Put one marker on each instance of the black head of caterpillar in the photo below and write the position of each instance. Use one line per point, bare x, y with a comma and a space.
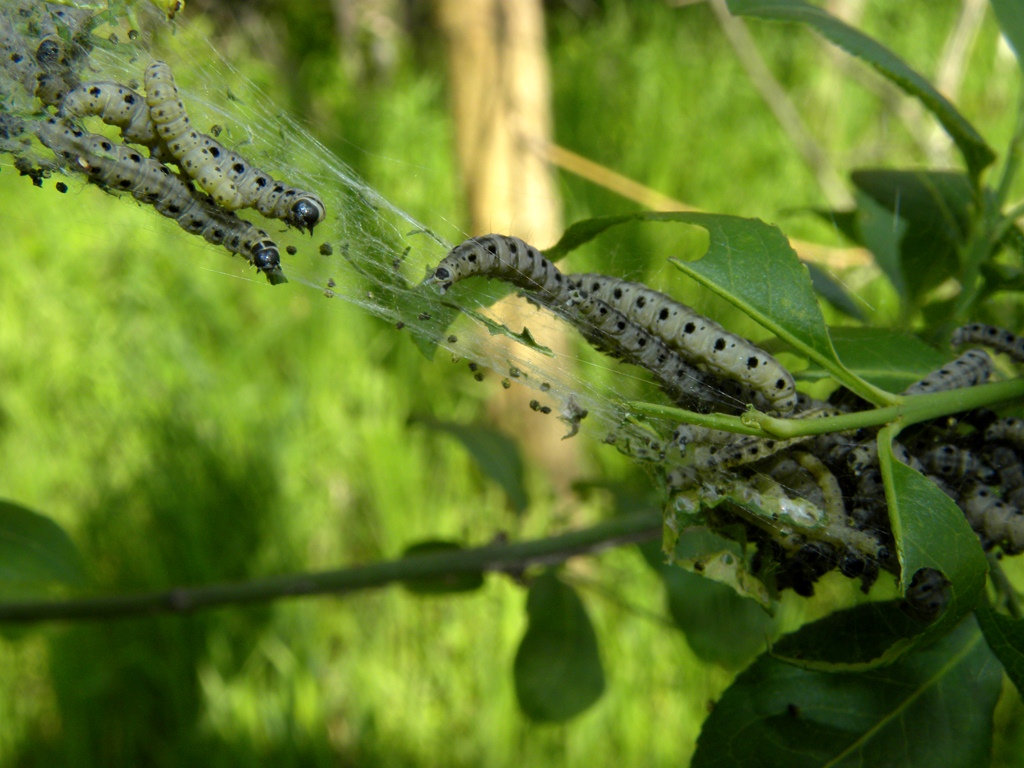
503, 258
698, 339
229, 179
118, 167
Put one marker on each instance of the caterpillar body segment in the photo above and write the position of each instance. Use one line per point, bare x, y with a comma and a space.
698, 339
118, 167
230, 180
505, 258
610, 331
997, 522
998, 339
972, 367
952, 463
119, 106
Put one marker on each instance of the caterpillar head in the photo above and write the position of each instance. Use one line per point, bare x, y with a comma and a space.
267, 259
306, 213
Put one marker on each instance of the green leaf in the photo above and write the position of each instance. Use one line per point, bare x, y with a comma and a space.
434, 585
1010, 15
936, 208
833, 292
881, 231
855, 639
752, 265
720, 626
495, 453
1005, 637
557, 670
35, 554
976, 152
775, 714
931, 532
888, 359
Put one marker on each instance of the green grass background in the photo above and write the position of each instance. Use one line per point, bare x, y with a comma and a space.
187, 427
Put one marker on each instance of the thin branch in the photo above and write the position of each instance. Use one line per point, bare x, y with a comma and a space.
497, 557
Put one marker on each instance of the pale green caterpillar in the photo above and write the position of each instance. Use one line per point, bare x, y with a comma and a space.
228, 177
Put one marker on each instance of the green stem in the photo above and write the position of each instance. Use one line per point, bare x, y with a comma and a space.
911, 410
1013, 154
490, 558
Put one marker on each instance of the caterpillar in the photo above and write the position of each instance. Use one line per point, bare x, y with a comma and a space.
927, 595
229, 179
504, 258
610, 331
996, 338
747, 449
695, 337
1007, 463
119, 106
513, 261
952, 463
118, 167
996, 522
972, 367
1009, 430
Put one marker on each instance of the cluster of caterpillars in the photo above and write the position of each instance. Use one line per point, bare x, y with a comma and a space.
824, 495
211, 181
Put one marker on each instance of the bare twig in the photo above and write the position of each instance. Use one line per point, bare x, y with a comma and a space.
496, 557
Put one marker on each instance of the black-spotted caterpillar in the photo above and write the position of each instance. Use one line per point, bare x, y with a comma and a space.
229, 179
996, 338
696, 338
118, 167
614, 330
116, 105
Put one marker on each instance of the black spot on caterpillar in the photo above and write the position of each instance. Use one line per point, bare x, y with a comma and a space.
504, 258
972, 367
120, 168
927, 596
229, 178
996, 338
698, 339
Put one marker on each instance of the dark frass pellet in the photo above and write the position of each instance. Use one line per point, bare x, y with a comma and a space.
326, 249
62, 187
453, 339
291, 250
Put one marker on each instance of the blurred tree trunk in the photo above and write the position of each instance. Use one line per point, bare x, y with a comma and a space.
501, 99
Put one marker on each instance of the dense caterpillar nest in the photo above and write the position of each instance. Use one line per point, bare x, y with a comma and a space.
810, 504
207, 182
